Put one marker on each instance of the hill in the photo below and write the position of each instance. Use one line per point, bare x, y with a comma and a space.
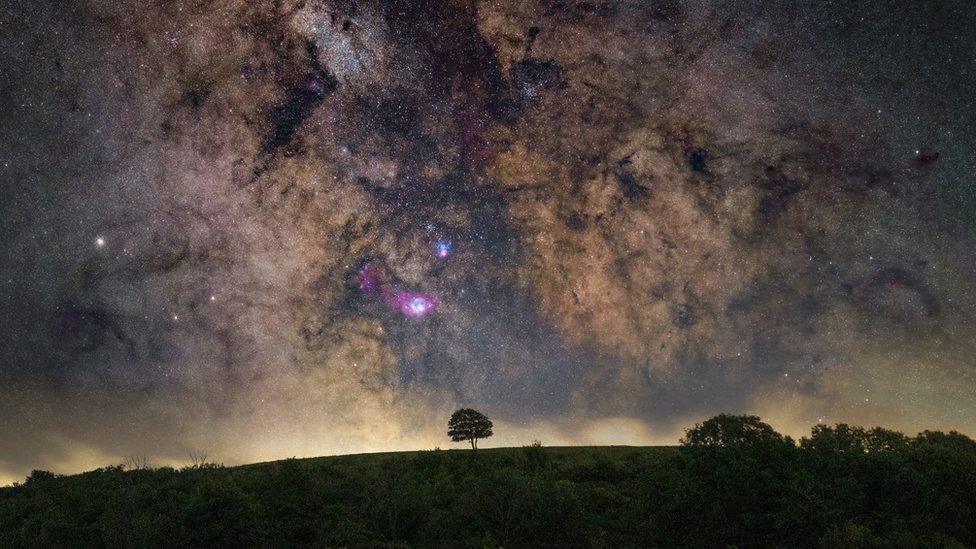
840, 487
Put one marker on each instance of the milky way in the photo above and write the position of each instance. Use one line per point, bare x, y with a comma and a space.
266, 229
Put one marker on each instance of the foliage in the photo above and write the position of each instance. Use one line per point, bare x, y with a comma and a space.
734, 482
470, 425
730, 431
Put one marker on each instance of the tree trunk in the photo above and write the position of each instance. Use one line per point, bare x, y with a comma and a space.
472, 444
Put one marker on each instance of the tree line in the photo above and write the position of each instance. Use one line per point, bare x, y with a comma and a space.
733, 482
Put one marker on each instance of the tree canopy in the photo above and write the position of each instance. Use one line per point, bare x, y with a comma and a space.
726, 430
470, 425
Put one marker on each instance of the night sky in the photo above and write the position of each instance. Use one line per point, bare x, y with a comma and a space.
264, 229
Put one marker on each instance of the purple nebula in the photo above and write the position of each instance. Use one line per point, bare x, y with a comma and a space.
443, 249
369, 279
412, 304
415, 305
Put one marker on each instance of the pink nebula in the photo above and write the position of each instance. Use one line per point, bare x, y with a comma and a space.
412, 304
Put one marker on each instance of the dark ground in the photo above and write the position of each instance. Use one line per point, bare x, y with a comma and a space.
727, 486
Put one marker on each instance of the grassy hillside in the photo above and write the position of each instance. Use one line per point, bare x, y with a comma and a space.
492, 496
841, 487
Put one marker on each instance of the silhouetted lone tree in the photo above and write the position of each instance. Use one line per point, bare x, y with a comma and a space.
468, 424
